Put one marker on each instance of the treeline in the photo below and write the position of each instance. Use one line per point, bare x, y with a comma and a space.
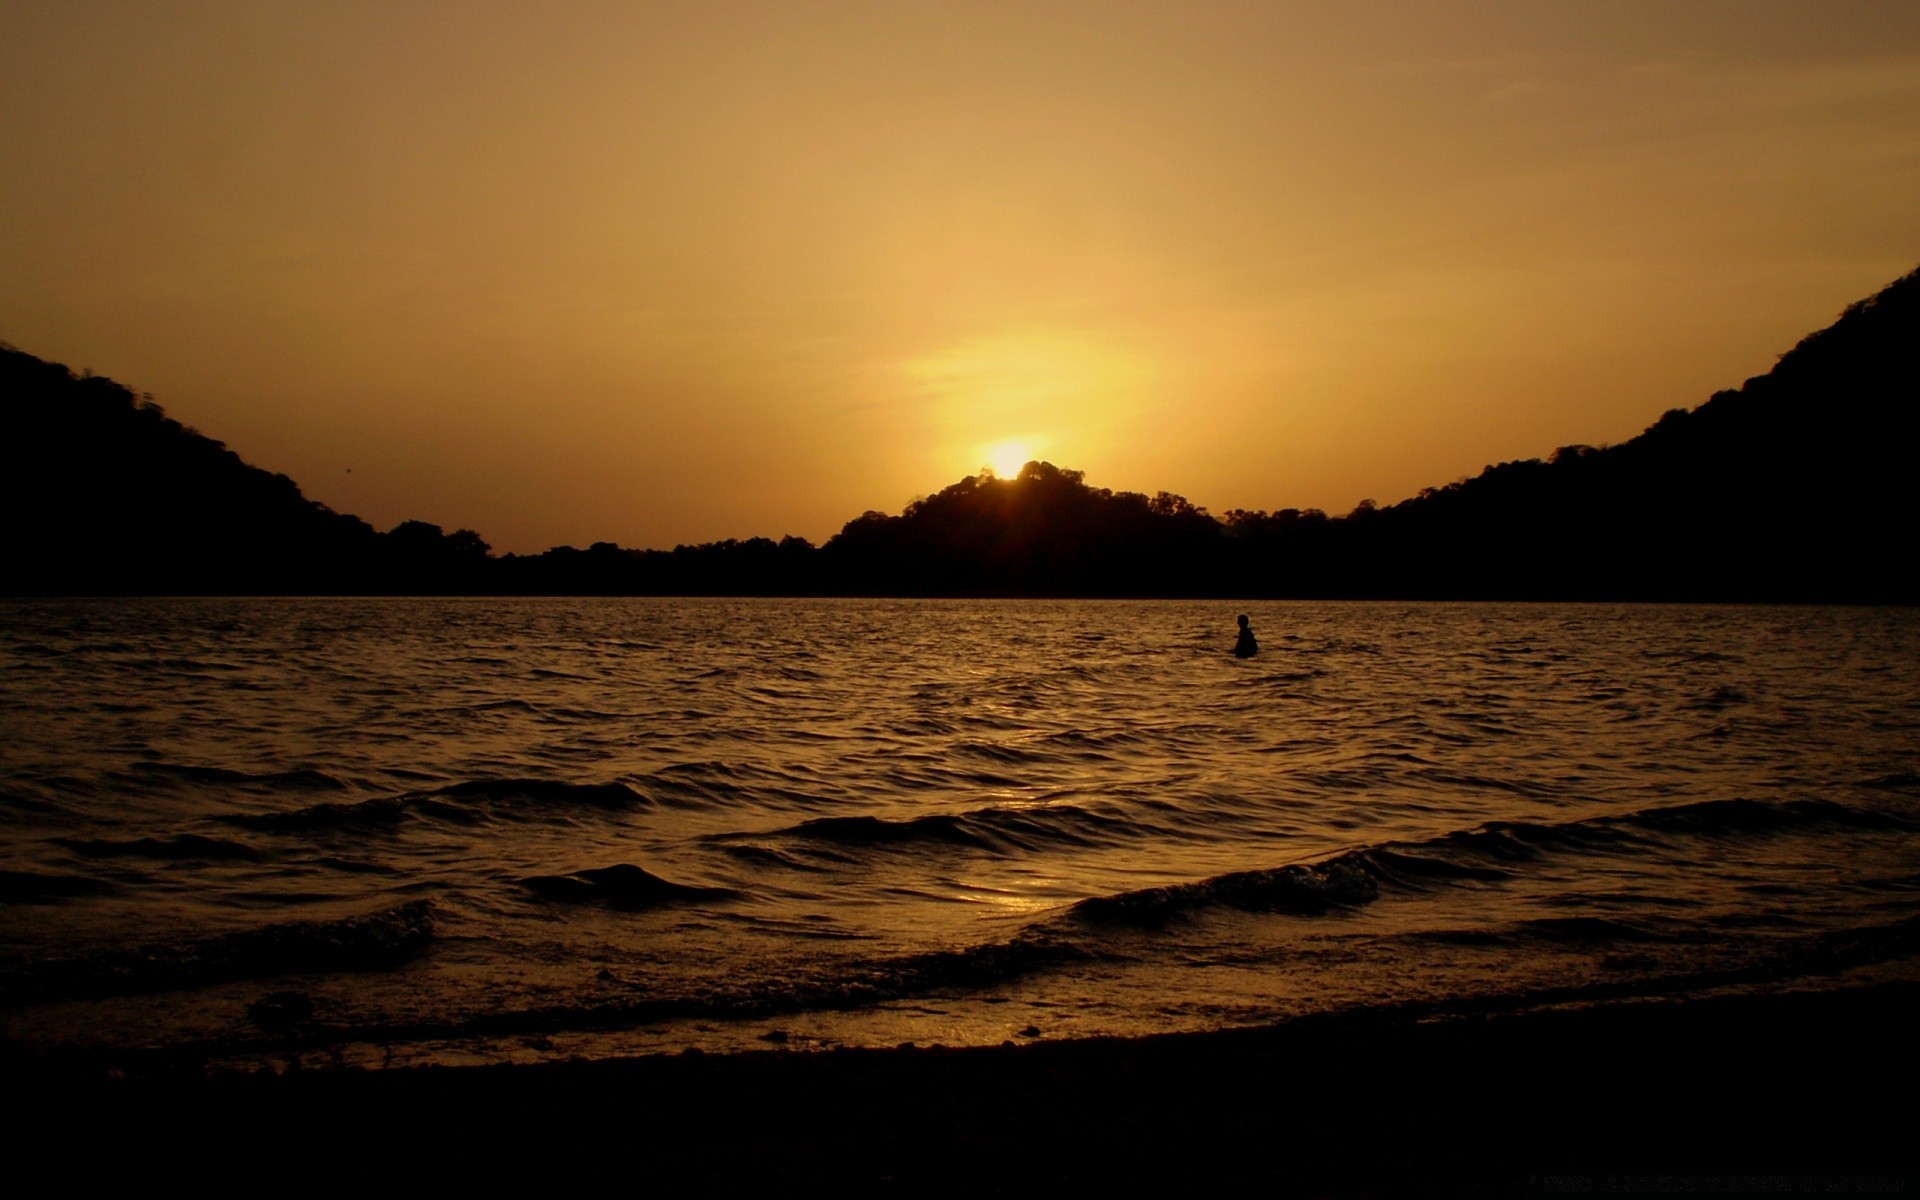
1797, 487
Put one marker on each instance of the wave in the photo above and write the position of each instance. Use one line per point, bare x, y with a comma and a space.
186, 847
363, 942
382, 812
37, 887
1346, 881
866, 983
1050, 945
1080, 739
1279, 679
875, 831
622, 886
854, 985
1491, 852
1717, 700
764, 857
1079, 933
996, 752
1498, 849
1335, 884
520, 794
710, 784
506, 704
1896, 781
997, 829
1796, 957
1760, 816
1495, 851
1599, 931
196, 666
460, 803
22, 803
299, 779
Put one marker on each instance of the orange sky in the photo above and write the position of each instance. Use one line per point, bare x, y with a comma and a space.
659, 273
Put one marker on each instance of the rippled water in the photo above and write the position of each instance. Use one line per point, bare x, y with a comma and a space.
411, 830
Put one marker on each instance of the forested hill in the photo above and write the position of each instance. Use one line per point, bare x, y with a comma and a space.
1797, 486
1794, 487
101, 491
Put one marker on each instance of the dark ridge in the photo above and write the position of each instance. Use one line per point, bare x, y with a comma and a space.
510, 793
1898, 781
367, 942
986, 965
1739, 815
187, 846
383, 812
35, 887
1050, 945
1306, 890
18, 802
104, 493
874, 831
996, 829
765, 858
1599, 931
621, 886
459, 803
860, 984
1792, 487
1411, 870
1490, 851
302, 779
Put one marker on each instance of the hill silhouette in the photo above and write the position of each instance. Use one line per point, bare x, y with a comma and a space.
104, 493
1042, 533
1794, 487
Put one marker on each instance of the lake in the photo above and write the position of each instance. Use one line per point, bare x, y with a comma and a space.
396, 831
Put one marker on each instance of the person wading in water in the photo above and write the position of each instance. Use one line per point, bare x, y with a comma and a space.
1246, 647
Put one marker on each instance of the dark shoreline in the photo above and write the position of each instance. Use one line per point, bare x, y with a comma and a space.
1781, 1087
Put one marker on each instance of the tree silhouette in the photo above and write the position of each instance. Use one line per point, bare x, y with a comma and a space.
1796, 486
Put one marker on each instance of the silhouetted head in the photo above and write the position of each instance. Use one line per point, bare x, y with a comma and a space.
1243, 620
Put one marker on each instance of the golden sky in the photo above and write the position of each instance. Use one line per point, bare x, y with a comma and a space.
656, 273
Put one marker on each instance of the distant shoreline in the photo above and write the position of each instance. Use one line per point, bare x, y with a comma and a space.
721, 597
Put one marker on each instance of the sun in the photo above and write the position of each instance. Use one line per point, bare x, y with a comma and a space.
1006, 458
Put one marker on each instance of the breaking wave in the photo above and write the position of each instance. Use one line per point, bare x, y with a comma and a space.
364, 942
460, 803
1001, 829
622, 885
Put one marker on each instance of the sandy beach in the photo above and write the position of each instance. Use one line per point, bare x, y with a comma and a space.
1727, 1095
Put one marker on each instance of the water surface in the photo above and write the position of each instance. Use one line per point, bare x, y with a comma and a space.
456, 830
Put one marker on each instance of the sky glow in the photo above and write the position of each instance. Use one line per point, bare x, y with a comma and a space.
661, 273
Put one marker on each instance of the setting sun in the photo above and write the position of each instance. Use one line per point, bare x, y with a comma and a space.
1006, 458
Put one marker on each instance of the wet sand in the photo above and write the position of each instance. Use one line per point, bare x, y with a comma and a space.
1723, 1095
